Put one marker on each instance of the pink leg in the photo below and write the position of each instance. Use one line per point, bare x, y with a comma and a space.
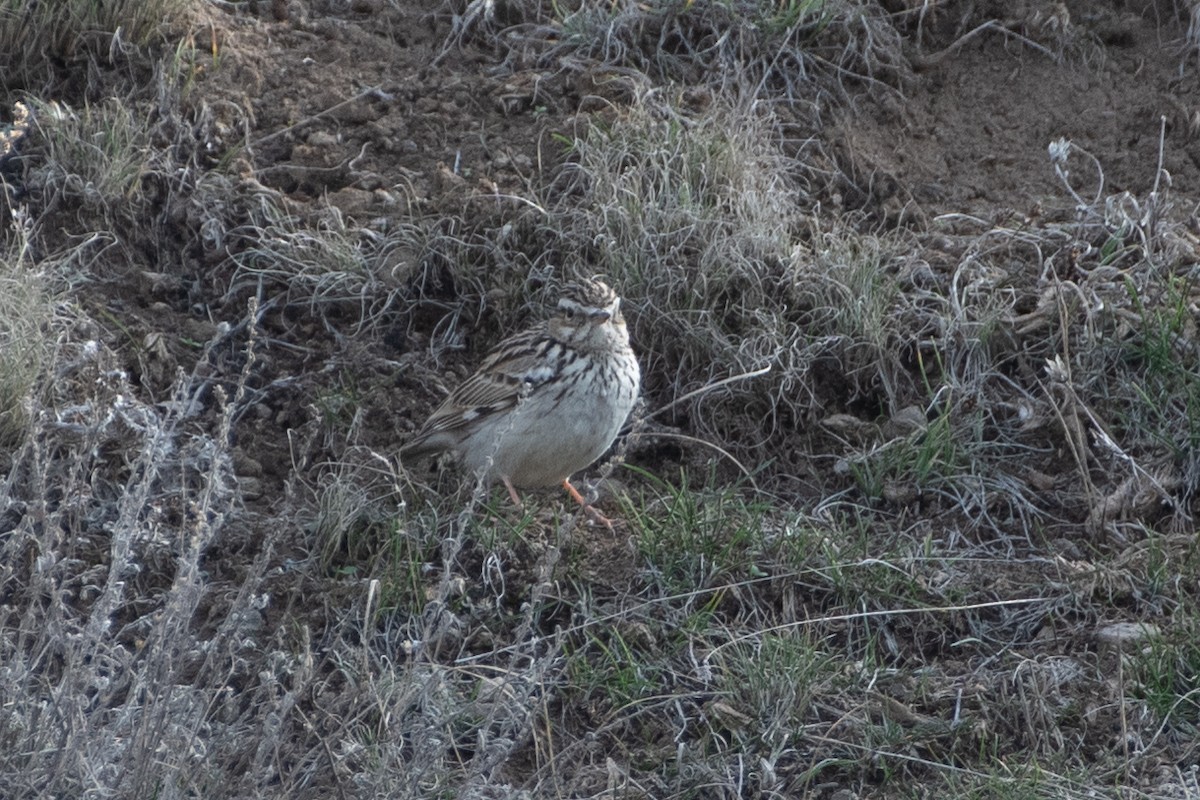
512, 492
592, 512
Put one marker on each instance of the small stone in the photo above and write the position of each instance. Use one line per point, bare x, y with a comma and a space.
352, 202
1123, 634
251, 488
245, 465
322, 139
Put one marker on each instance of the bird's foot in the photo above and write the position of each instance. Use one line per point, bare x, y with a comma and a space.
590, 510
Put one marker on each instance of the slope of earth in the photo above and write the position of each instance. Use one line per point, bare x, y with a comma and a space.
386, 113
970, 133
382, 114
381, 195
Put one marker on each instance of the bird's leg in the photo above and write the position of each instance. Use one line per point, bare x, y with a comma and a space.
592, 512
512, 492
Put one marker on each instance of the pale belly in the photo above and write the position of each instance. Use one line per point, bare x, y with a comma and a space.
546, 440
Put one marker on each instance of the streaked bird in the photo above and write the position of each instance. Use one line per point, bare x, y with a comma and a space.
546, 402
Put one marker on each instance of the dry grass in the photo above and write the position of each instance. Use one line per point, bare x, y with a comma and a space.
26, 334
694, 217
109, 503
973, 452
40, 38
799, 51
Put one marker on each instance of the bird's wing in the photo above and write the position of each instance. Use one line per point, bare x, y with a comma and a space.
516, 367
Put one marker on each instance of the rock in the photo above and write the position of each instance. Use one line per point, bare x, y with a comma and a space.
1126, 634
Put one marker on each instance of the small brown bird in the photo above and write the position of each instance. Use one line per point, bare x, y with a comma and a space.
546, 402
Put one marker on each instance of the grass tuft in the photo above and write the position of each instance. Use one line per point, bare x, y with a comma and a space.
966, 452
784, 49
698, 218
39, 38
27, 333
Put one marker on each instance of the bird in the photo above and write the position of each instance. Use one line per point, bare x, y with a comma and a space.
545, 402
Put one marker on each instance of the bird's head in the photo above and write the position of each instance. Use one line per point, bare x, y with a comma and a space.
588, 313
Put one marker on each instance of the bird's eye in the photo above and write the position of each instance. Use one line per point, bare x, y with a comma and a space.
569, 313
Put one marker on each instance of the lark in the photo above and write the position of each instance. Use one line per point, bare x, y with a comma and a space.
546, 402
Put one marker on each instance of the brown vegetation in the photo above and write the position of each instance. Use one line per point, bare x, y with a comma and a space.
908, 509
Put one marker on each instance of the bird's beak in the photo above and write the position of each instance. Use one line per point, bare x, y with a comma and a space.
604, 315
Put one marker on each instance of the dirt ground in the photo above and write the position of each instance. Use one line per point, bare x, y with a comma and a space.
376, 111
381, 110
352, 108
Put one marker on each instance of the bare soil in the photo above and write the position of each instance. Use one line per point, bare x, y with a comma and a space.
379, 111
